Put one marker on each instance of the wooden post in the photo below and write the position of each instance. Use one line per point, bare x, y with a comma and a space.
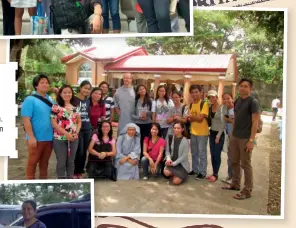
156, 83
186, 93
221, 88
233, 90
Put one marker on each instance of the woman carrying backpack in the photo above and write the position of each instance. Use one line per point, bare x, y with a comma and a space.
216, 138
76, 17
178, 113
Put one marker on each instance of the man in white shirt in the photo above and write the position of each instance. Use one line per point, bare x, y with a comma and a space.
275, 107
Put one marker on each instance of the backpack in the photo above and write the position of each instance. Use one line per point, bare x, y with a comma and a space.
67, 14
209, 118
260, 122
187, 125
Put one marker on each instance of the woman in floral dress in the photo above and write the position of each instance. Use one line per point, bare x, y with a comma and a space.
66, 121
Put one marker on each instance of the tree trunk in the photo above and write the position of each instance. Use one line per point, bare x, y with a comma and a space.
15, 55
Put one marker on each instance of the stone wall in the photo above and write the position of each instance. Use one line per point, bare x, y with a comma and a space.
265, 93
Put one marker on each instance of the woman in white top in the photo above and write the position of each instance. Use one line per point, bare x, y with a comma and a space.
163, 106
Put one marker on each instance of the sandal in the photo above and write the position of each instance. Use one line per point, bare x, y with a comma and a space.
244, 194
230, 187
209, 177
212, 179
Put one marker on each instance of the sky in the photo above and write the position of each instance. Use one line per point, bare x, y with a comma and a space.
106, 41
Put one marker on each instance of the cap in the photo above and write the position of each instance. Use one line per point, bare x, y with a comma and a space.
212, 93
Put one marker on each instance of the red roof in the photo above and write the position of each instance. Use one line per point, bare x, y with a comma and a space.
213, 63
107, 54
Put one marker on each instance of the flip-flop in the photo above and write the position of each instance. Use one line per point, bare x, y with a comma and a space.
212, 179
242, 195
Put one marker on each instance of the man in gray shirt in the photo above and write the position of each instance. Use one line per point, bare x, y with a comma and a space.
124, 101
242, 139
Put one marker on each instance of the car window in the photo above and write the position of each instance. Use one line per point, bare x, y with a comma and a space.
84, 219
8, 216
54, 219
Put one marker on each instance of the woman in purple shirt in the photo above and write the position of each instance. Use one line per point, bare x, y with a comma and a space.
29, 214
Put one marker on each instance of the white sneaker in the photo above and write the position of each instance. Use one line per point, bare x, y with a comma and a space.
145, 178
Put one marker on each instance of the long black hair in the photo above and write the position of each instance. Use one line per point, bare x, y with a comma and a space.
100, 102
100, 131
182, 125
166, 97
157, 125
61, 101
147, 101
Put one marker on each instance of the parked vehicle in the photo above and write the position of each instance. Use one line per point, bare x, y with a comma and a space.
68, 215
9, 213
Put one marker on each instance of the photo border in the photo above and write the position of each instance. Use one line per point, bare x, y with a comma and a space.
91, 181
232, 216
283, 167
191, 33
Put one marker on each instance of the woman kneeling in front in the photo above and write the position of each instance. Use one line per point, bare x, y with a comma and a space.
128, 152
177, 164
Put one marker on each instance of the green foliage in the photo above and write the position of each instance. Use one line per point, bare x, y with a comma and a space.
256, 37
18, 193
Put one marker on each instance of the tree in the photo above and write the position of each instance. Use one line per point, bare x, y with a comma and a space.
256, 37
17, 46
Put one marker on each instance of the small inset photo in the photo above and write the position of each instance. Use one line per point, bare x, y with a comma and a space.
52, 204
40, 18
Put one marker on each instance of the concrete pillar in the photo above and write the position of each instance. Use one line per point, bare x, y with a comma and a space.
233, 90
221, 87
186, 93
156, 83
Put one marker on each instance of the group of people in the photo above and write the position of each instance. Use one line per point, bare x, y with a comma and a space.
152, 134
92, 16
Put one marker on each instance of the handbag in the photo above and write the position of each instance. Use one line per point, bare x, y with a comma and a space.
39, 23
23, 3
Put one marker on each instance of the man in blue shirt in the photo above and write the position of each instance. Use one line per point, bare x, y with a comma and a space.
39, 132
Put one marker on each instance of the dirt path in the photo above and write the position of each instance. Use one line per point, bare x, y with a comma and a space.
193, 197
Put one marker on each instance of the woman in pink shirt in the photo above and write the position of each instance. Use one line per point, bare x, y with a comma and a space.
153, 149
97, 111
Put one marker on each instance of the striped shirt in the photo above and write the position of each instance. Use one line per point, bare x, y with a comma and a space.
109, 104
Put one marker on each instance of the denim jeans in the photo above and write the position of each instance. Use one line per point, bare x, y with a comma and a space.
157, 15
199, 154
216, 150
146, 165
113, 7
175, 23
184, 10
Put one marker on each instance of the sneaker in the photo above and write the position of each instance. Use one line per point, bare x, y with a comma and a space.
191, 173
145, 178
200, 176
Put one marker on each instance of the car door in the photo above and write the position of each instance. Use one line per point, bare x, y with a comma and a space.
83, 216
57, 218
